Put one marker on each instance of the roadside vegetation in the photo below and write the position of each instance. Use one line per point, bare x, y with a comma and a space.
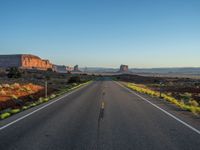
28, 90
26, 105
192, 105
183, 92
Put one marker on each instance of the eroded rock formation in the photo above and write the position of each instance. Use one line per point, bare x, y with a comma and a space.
31, 61
24, 61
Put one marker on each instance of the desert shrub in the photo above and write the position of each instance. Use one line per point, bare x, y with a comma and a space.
46, 99
41, 99
74, 84
27, 106
5, 115
193, 103
30, 91
14, 96
22, 89
48, 77
27, 88
31, 97
2, 92
37, 102
19, 102
58, 94
24, 107
5, 85
16, 85
33, 105
14, 111
74, 79
50, 70
186, 96
14, 73
12, 87
169, 94
194, 110
52, 96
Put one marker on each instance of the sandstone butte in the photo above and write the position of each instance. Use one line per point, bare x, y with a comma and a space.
24, 61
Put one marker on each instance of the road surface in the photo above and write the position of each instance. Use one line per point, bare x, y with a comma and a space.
99, 116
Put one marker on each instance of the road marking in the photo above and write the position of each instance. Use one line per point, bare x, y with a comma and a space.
48, 104
169, 114
102, 105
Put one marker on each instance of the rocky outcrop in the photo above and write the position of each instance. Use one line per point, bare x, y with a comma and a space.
35, 62
24, 61
123, 68
76, 68
60, 68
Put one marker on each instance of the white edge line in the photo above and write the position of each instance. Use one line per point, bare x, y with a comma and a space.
54, 101
169, 114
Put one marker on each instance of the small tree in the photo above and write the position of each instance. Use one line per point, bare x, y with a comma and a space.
50, 70
74, 79
14, 73
47, 77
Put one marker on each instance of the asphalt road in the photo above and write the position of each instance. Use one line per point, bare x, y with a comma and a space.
100, 116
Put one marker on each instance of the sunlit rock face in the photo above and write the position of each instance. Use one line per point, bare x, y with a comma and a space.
31, 61
24, 61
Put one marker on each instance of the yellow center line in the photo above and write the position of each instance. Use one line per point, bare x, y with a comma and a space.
102, 105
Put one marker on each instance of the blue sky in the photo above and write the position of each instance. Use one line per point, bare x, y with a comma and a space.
104, 33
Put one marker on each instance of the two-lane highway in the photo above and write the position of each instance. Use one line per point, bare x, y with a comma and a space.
100, 116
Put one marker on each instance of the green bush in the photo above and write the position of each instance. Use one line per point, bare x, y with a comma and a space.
37, 102
14, 73
25, 107
74, 79
46, 99
14, 97
52, 96
33, 105
5, 115
194, 103
14, 111
74, 84
58, 94
41, 99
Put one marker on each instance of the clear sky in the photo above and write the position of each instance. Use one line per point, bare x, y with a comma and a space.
103, 33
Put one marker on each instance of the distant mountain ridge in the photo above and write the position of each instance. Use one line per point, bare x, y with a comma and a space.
187, 70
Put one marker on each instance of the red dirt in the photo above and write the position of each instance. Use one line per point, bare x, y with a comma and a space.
17, 90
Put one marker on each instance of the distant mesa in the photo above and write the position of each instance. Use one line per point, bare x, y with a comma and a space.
65, 69
24, 61
60, 68
69, 68
123, 68
76, 69
28, 61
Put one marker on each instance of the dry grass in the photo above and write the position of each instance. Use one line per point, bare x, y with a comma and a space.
192, 106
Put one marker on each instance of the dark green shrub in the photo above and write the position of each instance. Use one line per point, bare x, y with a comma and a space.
14, 73
74, 79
